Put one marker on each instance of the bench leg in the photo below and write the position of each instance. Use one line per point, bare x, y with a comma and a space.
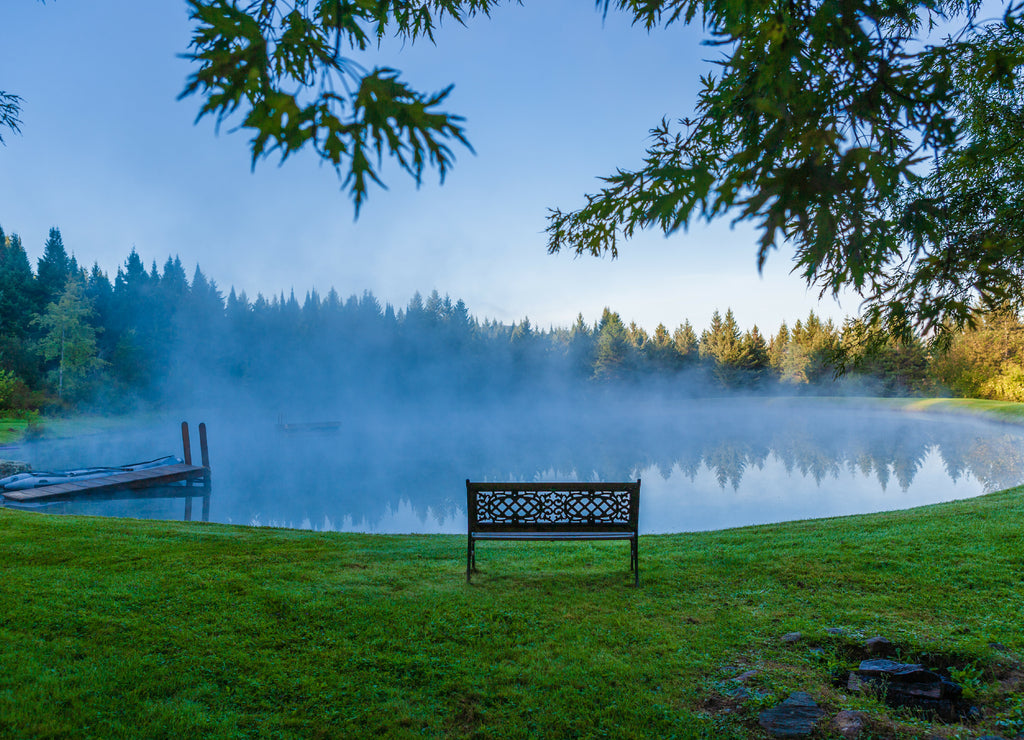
635, 560
469, 559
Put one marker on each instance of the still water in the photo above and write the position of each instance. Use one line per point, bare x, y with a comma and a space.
707, 464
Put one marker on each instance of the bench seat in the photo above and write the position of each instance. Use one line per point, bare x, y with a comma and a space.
552, 511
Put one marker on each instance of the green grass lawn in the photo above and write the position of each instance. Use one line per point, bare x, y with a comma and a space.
12, 430
122, 628
1002, 410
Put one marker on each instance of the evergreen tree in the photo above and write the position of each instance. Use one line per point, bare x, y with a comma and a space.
686, 343
52, 270
69, 339
17, 288
173, 283
637, 336
580, 349
812, 351
777, 348
754, 356
898, 363
522, 333
614, 358
721, 345
434, 308
661, 353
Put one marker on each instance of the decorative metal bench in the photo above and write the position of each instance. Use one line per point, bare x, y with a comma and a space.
553, 511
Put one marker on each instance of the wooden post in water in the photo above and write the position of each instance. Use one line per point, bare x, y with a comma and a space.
186, 448
186, 445
204, 451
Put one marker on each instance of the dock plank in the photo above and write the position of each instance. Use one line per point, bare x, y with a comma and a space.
132, 479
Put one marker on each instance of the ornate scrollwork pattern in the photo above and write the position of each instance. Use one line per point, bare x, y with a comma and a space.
553, 507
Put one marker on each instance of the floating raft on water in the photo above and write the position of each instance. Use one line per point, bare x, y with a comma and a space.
309, 426
166, 471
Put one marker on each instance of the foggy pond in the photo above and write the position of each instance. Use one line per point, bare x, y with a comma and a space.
706, 464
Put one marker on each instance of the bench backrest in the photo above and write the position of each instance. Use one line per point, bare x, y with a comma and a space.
553, 507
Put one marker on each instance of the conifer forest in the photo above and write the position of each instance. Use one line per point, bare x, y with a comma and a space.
73, 338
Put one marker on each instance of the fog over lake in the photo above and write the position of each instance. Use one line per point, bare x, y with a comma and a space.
705, 464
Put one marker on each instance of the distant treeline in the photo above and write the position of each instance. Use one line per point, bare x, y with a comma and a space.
70, 336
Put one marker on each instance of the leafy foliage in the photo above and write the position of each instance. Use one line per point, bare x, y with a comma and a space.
818, 127
886, 154
281, 65
10, 113
69, 339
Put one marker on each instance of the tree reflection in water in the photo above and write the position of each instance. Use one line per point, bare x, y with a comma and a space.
403, 469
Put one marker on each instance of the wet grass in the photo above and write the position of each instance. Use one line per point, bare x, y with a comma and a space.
1000, 410
123, 628
12, 430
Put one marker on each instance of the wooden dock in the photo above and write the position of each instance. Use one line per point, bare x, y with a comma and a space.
138, 481
131, 480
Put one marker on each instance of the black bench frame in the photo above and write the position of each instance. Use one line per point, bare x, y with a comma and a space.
553, 511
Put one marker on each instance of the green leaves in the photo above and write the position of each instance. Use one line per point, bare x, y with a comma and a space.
835, 127
281, 66
10, 113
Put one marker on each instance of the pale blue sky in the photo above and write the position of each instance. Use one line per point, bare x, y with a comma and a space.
553, 98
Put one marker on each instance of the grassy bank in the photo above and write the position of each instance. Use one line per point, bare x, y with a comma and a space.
120, 628
12, 430
999, 410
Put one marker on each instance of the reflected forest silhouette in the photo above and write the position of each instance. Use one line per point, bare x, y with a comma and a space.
374, 464
397, 407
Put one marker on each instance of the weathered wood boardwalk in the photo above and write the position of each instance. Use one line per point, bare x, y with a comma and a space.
131, 480
156, 481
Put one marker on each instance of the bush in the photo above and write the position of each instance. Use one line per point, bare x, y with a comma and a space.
16, 396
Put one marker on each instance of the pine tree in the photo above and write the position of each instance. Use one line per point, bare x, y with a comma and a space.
721, 345
52, 270
661, 353
685, 340
434, 308
18, 290
173, 283
522, 333
754, 357
614, 359
777, 348
812, 351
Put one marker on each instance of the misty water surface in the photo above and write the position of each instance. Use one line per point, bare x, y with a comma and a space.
705, 464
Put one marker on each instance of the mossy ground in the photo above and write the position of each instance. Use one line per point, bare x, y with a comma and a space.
123, 628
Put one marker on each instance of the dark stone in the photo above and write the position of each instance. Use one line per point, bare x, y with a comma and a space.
794, 717
12, 467
903, 672
739, 693
849, 723
791, 637
745, 676
878, 646
836, 631
998, 646
907, 685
